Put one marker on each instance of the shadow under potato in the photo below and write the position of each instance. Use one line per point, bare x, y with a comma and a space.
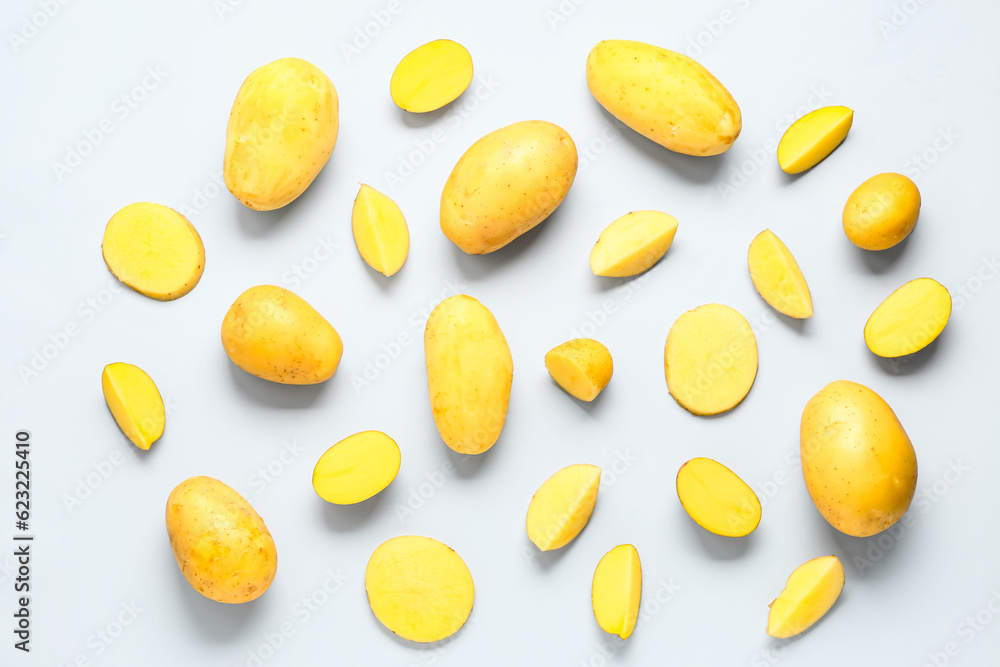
346, 518
215, 622
717, 546
274, 394
911, 363
257, 224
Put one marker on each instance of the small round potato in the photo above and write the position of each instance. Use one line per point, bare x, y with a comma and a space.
882, 211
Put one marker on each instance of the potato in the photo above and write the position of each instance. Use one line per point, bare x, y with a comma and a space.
419, 588
813, 137
135, 403
664, 96
582, 367
562, 506
431, 76
710, 359
857, 461
809, 593
910, 319
154, 250
274, 334
777, 277
882, 211
356, 468
469, 374
507, 183
717, 500
380, 231
617, 590
632, 244
281, 133
221, 544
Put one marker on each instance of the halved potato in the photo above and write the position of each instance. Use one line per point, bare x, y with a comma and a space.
380, 231
617, 590
777, 277
562, 506
356, 468
813, 137
809, 593
582, 367
910, 319
135, 403
717, 499
632, 244
431, 76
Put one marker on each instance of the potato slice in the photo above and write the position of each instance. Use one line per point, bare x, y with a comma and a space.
135, 403
710, 359
356, 468
717, 499
617, 590
154, 250
632, 244
582, 367
777, 277
380, 231
431, 76
809, 593
562, 506
910, 319
419, 588
813, 137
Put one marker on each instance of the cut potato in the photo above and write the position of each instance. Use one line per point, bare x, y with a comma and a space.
882, 211
910, 319
617, 590
777, 277
380, 231
809, 593
632, 244
717, 499
154, 250
431, 76
813, 137
562, 506
356, 468
582, 367
135, 403
710, 359
419, 588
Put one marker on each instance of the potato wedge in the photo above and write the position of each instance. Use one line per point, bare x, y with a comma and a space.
582, 367
813, 137
135, 403
910, 319
356, 468
717, 500
777, 277
562, 506
617, 590
632, 244
431, 76
810, 592
380, 231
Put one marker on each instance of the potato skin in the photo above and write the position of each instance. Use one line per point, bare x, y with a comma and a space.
220, 542
882, 211
507, 183
857, 461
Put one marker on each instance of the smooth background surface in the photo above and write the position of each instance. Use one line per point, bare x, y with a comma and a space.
910, 596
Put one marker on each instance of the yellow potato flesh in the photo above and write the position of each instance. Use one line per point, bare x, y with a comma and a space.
882, 211
356, 468
857, 461
469, 374
562, 506
617, 590
717, 499
809, 593
632, 244
910, 319
431, 76
710, 359
582, 367
419, 588
813, 137
154, 250
380, 231
274, 334
777, 277
135, 403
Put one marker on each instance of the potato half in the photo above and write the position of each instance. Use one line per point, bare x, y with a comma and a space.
910, 319
810, 592
617, 590
562, 506
717, 499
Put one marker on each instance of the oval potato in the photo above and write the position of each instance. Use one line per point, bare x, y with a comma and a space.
882, 211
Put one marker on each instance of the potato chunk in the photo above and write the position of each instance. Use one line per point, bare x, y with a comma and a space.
356, 468
717, 499
380, 231
562, 506
910, 319
777, 277
813, 137
809, 593
135, 403
632, 244
582, 367
617, 590
431, 76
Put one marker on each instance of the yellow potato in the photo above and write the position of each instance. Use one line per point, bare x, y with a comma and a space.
857, 461
469, 374
632, 244
507, 183
617, 590
910, 319
154, 250
274, 334
809, 593
882, 211
582, 367
356, 468
777, 277
717, 500
221, 544
710, 359
431, 76
562, 506
380, 231
813, 137
135, 403
281, 133
664, 96
419, 588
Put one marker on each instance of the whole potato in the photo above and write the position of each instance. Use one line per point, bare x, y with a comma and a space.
882, 211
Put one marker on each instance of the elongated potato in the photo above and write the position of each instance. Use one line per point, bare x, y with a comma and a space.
813, 137
562, 506
910, 319
134, 402
469, 374
809, 593
882, 211
617, 590
777, 277
356, 468
717, 499
380, 231
582, 367
632, 244
431, 76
